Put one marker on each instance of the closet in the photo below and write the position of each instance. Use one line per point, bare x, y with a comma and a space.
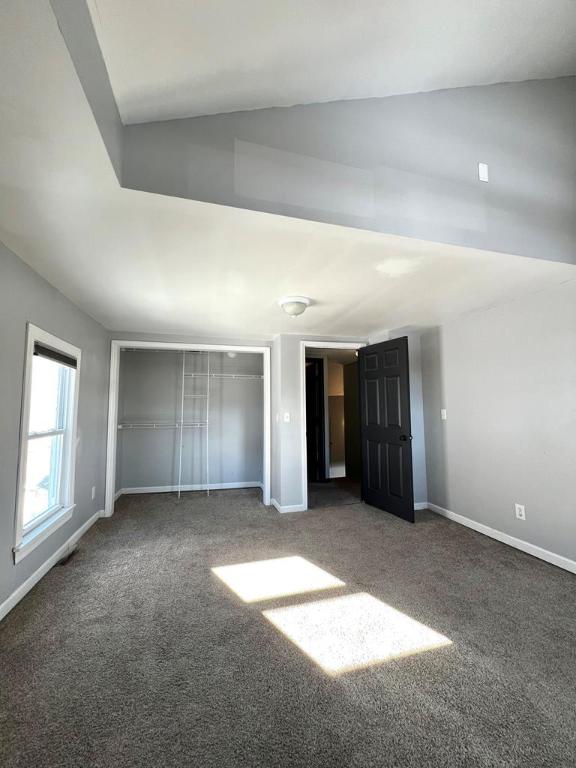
189, 421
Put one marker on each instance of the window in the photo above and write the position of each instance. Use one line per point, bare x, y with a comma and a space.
48, 437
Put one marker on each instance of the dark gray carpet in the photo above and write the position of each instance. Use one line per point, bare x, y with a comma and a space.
134, 654
334, 493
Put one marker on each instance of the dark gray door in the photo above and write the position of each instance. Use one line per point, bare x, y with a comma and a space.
315, 435
385, 427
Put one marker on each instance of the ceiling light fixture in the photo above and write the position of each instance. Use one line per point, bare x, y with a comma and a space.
294, 305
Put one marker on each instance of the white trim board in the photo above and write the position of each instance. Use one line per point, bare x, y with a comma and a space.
506, 538
25, 540
61, 552
118, 344
195, 487
288, 508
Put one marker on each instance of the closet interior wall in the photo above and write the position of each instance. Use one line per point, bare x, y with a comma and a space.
189, 420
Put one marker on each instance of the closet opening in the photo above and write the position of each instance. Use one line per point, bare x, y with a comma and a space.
187, 419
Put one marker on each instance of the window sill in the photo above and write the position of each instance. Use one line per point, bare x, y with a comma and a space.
35, 537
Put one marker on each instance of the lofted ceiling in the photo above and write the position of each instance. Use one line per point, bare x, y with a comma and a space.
143, 262
182, 59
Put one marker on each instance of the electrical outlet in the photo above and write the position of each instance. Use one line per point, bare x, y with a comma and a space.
93, 492
520, 511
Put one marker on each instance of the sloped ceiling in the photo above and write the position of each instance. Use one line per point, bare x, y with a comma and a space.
181, 59
145, 262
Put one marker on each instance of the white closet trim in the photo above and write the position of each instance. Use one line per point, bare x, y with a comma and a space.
118, 344
208, 429
181, 422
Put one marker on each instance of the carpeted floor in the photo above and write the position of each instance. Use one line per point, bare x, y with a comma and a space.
333, 493
135, 654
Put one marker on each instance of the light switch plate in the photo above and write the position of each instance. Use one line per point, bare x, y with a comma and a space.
287, 418
483, 172
443, 414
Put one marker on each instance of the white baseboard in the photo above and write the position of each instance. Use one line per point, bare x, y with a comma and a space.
289, 507
525, 546
301, 508
61, 552
195, 487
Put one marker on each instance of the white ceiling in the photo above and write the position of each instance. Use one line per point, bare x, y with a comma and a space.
143, 262
182, 58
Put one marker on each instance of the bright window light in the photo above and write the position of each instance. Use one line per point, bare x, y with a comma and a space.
48, 442
352, 632
267, 579
47, 425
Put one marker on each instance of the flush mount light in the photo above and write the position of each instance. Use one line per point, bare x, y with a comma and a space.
294, 305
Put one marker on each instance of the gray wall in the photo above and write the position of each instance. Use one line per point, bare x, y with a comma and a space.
151, 389
26, 297
405, 165
507, 378
276, 421
290, 434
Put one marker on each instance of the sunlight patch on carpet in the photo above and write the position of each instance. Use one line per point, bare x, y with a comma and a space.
282, 576
352, 632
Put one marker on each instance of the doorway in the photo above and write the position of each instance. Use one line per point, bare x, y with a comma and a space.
333, 447
374, 415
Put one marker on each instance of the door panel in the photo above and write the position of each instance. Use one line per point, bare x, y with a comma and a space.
352, 423
394, 472
372, 395
385, 427
393, 416
374, 464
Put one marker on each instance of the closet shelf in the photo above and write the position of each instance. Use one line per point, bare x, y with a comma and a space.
156, 425
254, 376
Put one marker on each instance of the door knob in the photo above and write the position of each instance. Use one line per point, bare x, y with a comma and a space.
405, 438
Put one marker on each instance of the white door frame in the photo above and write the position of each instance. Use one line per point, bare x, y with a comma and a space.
304, 344
117, 345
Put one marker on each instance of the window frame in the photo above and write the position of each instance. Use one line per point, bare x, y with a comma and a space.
27, 537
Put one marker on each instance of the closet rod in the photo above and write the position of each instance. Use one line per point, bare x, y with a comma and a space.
152, 425
255, 376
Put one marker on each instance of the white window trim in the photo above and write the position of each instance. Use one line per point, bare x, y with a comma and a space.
27, 540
